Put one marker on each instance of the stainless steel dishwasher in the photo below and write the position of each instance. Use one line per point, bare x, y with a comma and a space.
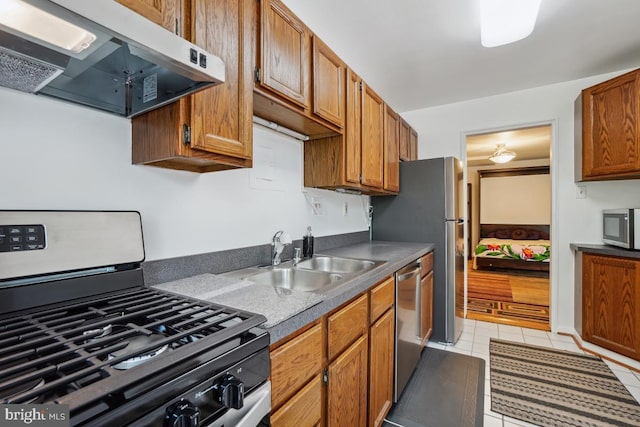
408, 341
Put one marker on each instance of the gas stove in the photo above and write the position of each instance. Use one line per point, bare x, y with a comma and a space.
93, 337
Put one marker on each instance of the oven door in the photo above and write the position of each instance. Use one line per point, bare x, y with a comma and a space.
254, 412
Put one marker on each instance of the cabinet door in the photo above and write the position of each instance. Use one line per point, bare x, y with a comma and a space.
353, 138
610, 116
405, 140
285, 53
221, 116
328, 83
372, 137
426, 307
611, 305
347, 387
391, 150
302, 410
413, 143
166, 13
381, 368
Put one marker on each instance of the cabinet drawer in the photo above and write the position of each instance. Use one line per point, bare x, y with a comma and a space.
346, 325
427, 263
382, 297
303, 410
293, 364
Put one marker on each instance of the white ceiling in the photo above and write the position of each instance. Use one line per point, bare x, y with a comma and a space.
421, 53
529, 144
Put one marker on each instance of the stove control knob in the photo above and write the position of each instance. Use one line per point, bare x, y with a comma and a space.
182, 414
229, 392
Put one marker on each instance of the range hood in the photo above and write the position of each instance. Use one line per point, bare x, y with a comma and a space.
99, 54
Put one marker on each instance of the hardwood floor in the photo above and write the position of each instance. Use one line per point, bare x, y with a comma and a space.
513, 298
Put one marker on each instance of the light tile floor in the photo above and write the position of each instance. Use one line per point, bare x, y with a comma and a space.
474, 341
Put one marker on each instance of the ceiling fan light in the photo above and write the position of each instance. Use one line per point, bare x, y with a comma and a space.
502, 155
506, 21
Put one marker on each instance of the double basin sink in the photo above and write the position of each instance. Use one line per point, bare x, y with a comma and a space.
317, 274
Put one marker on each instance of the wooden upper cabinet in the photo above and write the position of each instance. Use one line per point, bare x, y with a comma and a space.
285, 53
353, 131
391, 150
212, 129
610, 128
222, 116
166, 13
328, 83
413, 145
611, 303
372, 137
405, 140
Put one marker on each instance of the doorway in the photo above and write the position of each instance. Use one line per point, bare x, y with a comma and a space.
509, 223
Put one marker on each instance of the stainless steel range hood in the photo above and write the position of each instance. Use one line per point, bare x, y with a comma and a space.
100, 54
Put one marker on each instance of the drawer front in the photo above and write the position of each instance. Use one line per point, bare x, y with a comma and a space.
303, 410
346, 325
382, 297
294, 364
427, 263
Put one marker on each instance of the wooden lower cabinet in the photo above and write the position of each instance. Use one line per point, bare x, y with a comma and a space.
339, 372
347, 387
346, 325
611, 303
381, 353
304, 409
426, 300
295, 363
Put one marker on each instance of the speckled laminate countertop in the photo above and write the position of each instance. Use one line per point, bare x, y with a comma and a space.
286, 310
397, 255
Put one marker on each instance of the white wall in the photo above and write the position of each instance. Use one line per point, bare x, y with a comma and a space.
60, 156
441, 133
516, 199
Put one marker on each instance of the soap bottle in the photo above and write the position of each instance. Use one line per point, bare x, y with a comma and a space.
307, 244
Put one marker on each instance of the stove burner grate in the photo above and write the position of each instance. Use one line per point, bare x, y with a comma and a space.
104, 343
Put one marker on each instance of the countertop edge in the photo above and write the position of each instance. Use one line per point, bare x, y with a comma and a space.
356, 286
602, 249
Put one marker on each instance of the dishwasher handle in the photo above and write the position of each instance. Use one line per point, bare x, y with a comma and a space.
408, 272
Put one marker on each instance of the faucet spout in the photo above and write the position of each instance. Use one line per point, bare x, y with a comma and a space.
278, 243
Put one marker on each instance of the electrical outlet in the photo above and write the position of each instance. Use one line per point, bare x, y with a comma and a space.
581, 192
316, 206
345, 211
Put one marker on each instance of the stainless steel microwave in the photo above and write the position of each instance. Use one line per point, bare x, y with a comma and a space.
621, 227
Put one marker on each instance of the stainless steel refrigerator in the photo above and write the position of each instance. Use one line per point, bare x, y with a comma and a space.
429, 208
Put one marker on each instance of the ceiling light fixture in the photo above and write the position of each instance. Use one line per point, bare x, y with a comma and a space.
506, 21
502, 155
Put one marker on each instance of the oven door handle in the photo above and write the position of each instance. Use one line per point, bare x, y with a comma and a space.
257, 405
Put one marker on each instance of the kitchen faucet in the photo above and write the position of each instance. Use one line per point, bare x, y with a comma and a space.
280, 240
